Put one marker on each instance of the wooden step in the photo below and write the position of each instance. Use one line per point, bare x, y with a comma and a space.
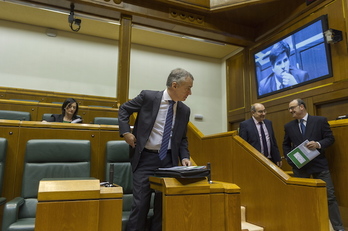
246, 225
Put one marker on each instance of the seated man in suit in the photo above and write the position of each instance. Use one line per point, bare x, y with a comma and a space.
258, 132
284, 75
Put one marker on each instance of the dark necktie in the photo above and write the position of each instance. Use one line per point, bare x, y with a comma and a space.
167, 130
303, 127
264, 142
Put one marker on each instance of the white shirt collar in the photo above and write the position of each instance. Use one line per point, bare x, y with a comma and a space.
166, 96
304, 118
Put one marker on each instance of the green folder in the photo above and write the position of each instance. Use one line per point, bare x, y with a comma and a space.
301, 155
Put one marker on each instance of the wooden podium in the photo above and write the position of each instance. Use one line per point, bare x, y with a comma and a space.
79, 205
195, 204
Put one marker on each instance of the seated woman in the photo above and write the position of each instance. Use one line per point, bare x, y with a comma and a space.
70, 109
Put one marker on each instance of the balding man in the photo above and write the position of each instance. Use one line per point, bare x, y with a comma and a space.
258, 131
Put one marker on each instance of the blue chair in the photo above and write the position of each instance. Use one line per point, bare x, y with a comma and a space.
45, 158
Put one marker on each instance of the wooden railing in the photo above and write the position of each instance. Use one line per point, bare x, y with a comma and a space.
37, 109
274, 200
51, 96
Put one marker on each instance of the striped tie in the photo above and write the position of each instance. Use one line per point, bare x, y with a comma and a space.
167, 130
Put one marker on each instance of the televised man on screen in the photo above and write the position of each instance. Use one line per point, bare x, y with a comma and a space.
284, 75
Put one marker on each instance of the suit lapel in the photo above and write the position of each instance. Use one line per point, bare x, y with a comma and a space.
156, 106
309, 127
177, 116
296, 131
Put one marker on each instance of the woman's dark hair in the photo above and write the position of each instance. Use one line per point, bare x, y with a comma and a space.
68, 102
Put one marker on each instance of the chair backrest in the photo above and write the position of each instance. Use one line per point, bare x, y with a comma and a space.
106, 120
3, 148
14, 115
46, 116
54, 158
117, 153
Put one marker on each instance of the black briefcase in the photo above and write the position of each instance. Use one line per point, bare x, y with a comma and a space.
183, 172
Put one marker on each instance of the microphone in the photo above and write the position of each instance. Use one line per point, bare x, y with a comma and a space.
209, 176
111, 176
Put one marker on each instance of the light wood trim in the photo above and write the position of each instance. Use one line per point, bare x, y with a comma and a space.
124, 59
266, 189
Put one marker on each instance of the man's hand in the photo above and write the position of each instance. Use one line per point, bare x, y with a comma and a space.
288, 79
279, 164
130, 139
312, 145
186, 162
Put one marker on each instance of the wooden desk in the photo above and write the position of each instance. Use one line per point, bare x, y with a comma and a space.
194, 204
79, 205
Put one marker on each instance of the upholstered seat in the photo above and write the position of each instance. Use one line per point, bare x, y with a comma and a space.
45, 158
117, 153
14, 115
106, 120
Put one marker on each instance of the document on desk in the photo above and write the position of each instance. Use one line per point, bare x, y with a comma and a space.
301, 155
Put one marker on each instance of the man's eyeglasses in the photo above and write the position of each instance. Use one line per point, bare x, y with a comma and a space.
293, 107
261, 111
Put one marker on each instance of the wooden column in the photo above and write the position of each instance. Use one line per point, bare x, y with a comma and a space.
124, 59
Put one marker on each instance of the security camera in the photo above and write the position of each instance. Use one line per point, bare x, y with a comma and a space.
333, 36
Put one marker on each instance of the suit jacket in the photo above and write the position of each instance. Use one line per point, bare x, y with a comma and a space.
317, 129
60, 117
268, 84
248, 131
147, 104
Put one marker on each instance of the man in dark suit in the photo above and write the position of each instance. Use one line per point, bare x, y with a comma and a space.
283, 74
317, 131
146, 138
250, 131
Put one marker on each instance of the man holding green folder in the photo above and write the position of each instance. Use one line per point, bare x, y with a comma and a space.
317, 131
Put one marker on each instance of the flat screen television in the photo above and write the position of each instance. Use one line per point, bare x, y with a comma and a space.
296, 59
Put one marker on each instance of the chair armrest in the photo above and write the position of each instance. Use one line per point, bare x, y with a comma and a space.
11, 212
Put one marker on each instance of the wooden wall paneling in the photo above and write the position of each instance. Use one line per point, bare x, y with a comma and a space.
9, 129
100, 112
235, 81
14, 105
48, 108
215, 149
338, 51
194, 137
124, 52
61, 97
338, 159
100, 101
2, 94
333, 109
26, 95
